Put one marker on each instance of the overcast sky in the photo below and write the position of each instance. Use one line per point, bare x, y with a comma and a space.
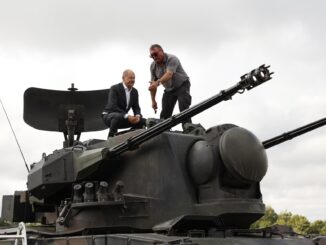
50, 44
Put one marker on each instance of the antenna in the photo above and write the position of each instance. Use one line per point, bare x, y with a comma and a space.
14, 135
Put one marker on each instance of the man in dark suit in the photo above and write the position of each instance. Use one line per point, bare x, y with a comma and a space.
122, 97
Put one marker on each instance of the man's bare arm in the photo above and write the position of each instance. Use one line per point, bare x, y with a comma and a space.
166, 77
154, 84
153, 95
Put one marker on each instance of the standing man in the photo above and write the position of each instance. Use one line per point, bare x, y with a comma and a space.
122, 97
166, 70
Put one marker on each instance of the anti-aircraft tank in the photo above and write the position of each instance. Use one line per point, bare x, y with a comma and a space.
148, 186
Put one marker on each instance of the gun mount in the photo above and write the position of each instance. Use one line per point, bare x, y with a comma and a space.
202, 185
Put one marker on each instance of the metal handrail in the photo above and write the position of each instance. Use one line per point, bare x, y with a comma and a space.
20, 235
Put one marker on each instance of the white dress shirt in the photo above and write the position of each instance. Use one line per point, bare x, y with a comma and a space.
127, 91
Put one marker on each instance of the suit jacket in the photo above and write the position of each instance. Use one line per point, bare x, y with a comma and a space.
117, 101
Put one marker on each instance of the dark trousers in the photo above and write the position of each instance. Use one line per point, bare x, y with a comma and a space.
169, 99
116, 120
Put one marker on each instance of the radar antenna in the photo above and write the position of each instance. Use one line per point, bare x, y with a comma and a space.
21, 152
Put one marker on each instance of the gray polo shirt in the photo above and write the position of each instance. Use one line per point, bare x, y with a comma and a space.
171, 63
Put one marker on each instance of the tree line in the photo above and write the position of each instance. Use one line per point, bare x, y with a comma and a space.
300, 224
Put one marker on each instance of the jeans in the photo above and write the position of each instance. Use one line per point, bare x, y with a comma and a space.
169, 99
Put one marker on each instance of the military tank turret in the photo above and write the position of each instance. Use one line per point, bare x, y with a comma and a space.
179, 185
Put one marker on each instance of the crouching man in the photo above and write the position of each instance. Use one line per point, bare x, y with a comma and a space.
122, 97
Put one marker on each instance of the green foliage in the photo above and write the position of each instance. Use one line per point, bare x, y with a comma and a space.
284, 218
268, 219
300, 224
323, 230
317, 227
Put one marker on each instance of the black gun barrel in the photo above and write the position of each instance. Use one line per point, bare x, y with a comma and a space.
294, 133
248, 81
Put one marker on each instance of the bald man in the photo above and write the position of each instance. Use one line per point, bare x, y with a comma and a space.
122, 97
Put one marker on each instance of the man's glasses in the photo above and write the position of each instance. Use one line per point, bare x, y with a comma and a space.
153, 55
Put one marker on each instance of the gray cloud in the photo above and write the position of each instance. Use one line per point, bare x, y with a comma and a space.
70, 25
